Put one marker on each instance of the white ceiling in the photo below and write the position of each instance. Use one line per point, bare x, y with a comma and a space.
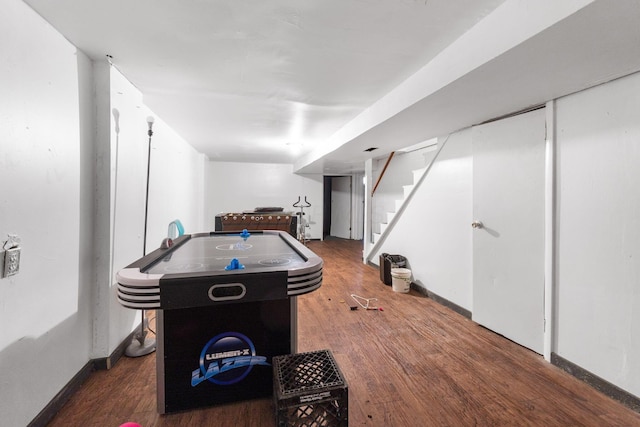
315, 82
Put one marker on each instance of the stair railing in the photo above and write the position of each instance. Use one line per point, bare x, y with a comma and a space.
384, 169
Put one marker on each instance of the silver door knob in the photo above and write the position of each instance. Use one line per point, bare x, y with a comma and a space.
477, 224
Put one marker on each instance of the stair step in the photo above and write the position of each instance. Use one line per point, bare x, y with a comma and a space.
407, 190
417, 174
383, 227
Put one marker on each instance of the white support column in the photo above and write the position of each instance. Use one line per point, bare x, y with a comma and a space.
368, 174
549, 230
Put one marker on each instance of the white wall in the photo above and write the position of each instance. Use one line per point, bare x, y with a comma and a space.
598, 280
357, 206
45, 310
176, 189
433, 232
238, 187
127, 180
177, 183
73, 144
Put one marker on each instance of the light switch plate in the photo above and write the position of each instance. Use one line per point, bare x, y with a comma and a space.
11, 261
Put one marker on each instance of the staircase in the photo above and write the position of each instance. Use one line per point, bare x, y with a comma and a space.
407, 191
431, 152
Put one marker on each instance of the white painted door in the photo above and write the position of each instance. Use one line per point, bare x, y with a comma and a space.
341, 207
508, 244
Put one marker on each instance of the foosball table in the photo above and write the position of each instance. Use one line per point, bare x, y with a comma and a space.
257, 220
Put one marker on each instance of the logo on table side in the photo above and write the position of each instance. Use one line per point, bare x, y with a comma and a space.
227, 359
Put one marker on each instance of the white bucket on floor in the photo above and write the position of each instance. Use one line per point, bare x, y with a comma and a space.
401, 279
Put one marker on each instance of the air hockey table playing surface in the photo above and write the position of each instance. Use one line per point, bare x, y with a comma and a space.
218, 326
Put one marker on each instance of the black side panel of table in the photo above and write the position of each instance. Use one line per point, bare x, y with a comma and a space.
267, 324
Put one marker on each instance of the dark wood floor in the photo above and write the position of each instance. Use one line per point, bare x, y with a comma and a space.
416, 363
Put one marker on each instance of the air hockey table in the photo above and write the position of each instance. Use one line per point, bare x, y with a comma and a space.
225, 305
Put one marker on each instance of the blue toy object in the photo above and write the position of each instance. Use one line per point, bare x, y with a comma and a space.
245, 234
234, 265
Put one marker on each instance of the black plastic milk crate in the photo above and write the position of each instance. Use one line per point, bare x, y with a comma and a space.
309, 391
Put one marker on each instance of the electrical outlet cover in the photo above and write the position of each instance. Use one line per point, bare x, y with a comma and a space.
11, 261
